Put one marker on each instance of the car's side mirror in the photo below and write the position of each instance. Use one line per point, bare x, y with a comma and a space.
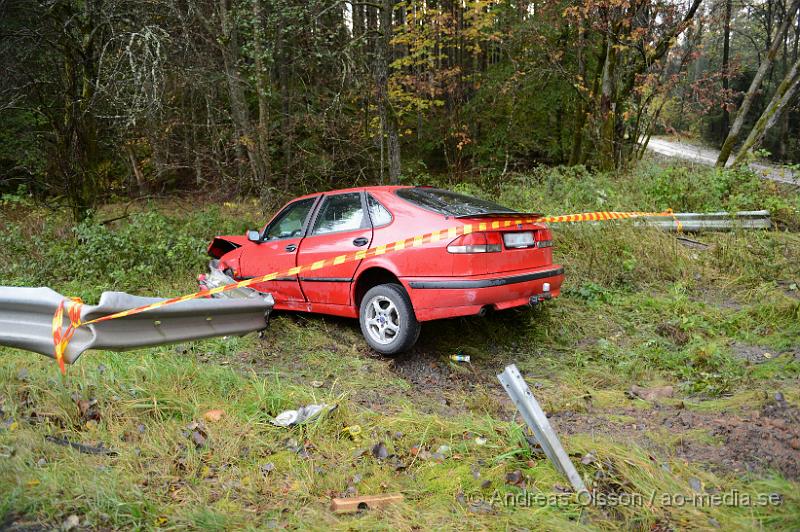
253, 235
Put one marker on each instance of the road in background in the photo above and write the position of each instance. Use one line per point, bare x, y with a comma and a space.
708, 157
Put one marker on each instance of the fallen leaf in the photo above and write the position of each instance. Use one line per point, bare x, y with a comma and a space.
380, 451
70, 523
354, 431
424, 455
514, 478
213, 415
198, 438
88, 409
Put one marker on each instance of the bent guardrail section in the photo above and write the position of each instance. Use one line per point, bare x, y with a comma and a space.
26, 321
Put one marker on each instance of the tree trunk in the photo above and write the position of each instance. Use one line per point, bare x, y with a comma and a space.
741, 114
141, 182
241, 115
283, 65
262, 86
780, 100
580, 110
726, 54
389, 135
358, 20
607, 138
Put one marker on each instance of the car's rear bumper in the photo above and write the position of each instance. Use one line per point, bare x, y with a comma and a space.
447, 297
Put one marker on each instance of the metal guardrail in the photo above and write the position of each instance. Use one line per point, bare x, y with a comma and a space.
694, 222
26, 320
534, 416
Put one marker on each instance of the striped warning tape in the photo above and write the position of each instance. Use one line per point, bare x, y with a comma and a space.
73, 306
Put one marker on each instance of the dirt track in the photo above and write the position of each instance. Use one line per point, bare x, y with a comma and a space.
708, 156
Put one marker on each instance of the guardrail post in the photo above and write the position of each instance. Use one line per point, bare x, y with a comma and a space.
534, 416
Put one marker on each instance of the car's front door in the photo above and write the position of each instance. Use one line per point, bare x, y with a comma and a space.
277, 252
340, 226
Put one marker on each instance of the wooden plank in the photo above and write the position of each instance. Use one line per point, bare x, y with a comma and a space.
367, 502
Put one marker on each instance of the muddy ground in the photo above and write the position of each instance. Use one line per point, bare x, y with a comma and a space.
758, 440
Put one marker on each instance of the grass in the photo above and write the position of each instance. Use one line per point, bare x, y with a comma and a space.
638, 308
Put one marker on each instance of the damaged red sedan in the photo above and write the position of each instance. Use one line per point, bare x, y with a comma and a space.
392, 293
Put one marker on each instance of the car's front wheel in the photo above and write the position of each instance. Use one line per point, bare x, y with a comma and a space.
387, 319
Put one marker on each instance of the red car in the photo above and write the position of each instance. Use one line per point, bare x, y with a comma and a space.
392, 293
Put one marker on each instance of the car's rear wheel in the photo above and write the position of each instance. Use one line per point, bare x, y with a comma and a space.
387, 319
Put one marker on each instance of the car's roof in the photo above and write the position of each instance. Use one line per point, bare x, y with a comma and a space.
387, 188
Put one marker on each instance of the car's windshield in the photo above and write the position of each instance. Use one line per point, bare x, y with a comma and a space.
450, 203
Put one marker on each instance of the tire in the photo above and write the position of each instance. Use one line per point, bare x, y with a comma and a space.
387, 319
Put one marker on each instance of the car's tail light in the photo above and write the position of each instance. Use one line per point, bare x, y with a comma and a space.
544, 239
476, 243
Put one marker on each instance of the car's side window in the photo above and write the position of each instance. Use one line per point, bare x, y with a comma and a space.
377, 212
290, 222
342, 212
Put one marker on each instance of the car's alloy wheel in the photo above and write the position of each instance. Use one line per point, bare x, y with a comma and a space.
387, 319
383, 322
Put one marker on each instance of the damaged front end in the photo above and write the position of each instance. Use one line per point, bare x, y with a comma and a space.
219, 276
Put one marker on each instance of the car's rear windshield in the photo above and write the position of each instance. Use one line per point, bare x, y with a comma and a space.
450, 203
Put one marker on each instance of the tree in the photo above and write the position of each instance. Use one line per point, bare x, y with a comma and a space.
726, 54
634, 39
744, 108
780, 101
389, 135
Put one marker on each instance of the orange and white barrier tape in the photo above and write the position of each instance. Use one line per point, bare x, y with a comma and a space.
61, 339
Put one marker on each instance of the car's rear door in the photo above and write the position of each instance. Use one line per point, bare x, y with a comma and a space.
341, 225
278, 250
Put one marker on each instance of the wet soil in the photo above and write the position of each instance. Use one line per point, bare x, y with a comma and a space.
757, 441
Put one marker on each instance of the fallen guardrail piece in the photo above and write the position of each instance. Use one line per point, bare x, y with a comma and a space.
26, 321
697, 222
519, 392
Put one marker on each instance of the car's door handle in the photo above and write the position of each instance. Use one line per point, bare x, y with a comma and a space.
360, 241
291, 247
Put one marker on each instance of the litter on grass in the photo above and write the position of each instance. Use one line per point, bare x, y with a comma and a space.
460, 357
290, 418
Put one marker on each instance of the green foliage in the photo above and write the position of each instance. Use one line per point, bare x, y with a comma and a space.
20, 198
136, 254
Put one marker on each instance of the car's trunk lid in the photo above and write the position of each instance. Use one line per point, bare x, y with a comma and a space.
518, 251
